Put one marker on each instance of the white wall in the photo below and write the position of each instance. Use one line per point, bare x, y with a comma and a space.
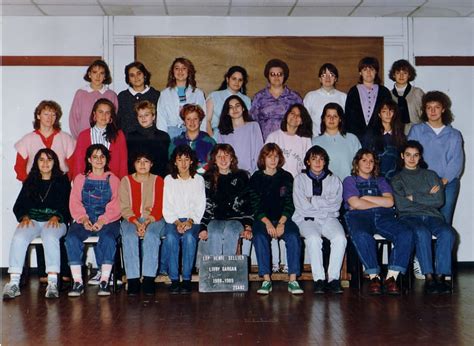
112, 38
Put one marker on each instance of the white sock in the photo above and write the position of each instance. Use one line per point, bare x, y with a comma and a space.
15, 279
392, 273
372, 276
53, 278
105, 269
76, 272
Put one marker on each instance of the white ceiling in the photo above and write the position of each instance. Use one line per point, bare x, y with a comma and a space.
265, 8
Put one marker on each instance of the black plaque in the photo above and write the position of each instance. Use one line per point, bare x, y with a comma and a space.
224, 274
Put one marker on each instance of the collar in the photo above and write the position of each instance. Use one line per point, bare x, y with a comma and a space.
133, 92
325, 92
89, 89
98, 129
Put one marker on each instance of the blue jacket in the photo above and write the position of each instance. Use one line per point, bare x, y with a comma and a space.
444, 152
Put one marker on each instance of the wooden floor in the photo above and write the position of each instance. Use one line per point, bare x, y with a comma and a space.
242, 319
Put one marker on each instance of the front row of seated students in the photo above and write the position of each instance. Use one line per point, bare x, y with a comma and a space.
270, 207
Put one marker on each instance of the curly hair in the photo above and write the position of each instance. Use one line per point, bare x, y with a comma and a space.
52, 106
447, 116
402, 65
213, 171
102, 64
192, 108
32, 182
90, 151
230, 72
111, 130
190, 81
277, 63
268, 149
358, 156
370, 62
142, 68
186, 151
340, 111
306, 127
225, 121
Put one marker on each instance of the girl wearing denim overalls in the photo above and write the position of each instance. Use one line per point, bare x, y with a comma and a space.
95, 208
368, 200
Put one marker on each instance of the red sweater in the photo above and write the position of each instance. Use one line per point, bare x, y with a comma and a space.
118, 154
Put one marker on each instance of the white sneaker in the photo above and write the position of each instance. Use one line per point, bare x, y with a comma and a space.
95, 280
417, 269
52, 290
275, 268
11, 291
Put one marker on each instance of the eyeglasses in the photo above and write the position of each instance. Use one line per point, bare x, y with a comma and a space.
276, 74
330, 75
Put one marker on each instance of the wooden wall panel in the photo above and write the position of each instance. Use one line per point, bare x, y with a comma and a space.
47, 60
212, 56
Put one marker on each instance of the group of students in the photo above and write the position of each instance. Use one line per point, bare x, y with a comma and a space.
175, 168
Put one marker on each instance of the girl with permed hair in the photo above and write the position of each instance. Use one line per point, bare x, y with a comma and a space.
103, 130
365, 98
443, 146
98, 76
270, 104
237, 128
184, 203
41, 210
138, 78
234, 83
407, 96
180, 90
95, 208
228, 214
368, 200
271, 187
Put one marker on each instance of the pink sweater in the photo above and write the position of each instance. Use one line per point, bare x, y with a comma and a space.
81, 108
118, 154
112, 209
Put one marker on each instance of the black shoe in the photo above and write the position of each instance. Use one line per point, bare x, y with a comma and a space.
174, 287
185, 287
133, 287
334, 287
319, 287
442, 285
149, 285
431, 287
104, 289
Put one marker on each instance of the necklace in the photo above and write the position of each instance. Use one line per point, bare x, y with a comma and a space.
43, 198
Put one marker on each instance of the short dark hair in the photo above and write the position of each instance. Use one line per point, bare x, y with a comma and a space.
99, 63
306, 127
358, 156
111, 130
340, 111
90, 150
142, 68
183, 150
331, 68
316, 150
266, 150
192, 108
443, 99
52, 105
190, 81
371, 62
225, 121
230, 72
415, 145
402, 65
277, 63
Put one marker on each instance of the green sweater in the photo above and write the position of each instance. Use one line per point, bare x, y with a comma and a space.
418, 184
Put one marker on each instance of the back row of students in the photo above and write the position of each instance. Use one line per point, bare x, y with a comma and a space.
224, 206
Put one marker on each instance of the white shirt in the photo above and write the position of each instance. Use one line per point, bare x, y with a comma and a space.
294, 150
315, 100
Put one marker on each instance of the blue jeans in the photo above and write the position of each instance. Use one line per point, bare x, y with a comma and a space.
424, 227
150, 247
223, 236
261, 241
23, 237
451, 192
188, 240
104, 250
363, 224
